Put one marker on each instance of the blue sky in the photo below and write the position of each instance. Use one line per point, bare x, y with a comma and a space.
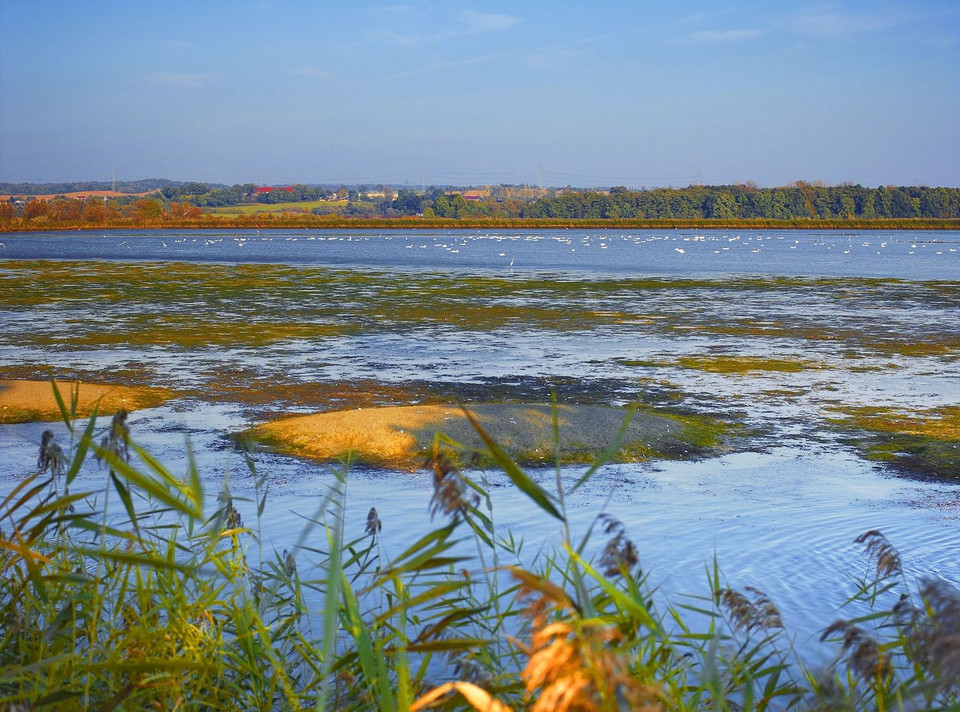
605, 93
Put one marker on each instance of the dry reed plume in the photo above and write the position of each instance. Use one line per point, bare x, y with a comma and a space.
575, 665
932, 631
450, 495
887, 558
748, 615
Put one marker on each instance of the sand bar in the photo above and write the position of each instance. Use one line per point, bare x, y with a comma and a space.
33, 401
403, 436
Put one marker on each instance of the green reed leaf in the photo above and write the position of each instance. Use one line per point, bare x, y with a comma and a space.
124, 493
514, 472
609, 452
123, 557
82, 447
148, 485
64, 413
446, 645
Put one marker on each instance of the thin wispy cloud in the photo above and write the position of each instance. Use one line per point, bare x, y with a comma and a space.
185, 80
553, 58
563, 54
311, 72
469, 22
481, 22
399, 39
700, 16
832, 24
722, 36
444, 66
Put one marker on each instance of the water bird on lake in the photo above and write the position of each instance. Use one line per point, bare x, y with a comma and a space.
680, 250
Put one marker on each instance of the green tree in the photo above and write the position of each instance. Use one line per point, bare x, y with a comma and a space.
723, 206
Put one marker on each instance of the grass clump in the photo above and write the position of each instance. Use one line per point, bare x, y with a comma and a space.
145, 594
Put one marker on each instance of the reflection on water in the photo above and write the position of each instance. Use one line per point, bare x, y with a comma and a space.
245, 326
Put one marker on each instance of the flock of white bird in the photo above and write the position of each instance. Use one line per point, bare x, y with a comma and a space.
722, 243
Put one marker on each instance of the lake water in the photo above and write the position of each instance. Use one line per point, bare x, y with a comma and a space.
248, 325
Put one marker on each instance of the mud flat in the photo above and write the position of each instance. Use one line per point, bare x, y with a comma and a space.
32, 401
403, 436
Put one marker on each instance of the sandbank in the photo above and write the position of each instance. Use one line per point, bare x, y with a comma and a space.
403, 436
33, 401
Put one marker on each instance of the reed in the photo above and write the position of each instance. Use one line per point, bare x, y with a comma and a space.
145, 594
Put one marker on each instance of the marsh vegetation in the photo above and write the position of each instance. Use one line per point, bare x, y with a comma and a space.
148, 592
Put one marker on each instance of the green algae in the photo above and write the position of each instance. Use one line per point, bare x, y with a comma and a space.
924, 442
744, 364
190, 305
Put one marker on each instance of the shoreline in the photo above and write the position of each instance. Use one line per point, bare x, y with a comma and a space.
290, 221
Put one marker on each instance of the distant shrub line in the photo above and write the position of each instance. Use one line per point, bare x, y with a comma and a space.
301, 221
798, 205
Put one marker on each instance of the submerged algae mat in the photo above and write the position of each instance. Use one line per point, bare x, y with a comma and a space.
925, 442
31, 401
403, 436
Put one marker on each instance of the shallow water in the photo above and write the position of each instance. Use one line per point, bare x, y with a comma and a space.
903, 254
245, 326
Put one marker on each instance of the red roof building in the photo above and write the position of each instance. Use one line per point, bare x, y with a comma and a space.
270, 188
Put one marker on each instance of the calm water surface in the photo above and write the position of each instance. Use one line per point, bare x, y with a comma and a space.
781, 517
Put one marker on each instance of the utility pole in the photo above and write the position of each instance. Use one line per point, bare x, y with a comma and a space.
113, 183
540, 183
423, 179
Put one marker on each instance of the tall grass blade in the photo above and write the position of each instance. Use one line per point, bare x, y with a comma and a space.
65, 414
6, 510
170, 480
331, 611
82, 447
148, 485
124, 493
193, 478
134, 559
513, 471
609, 452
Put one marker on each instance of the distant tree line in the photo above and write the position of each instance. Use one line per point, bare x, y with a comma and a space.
121, 186
801, 200
216, 196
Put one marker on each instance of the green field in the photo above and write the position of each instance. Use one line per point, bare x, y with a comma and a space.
333, 206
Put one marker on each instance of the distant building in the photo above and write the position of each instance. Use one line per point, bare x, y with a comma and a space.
271, 188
